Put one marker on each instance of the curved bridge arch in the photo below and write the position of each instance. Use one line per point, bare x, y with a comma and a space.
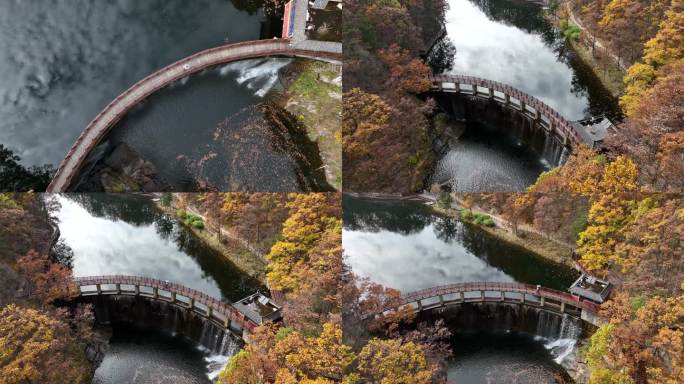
511, 97
222, 314
508, 293
112, 113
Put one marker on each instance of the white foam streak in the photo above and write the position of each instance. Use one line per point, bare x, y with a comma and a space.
258, 74
216, 364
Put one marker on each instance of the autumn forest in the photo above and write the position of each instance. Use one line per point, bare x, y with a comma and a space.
510, 205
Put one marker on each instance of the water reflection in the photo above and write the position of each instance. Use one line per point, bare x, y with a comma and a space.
61, 64
512, 43
404, 245
112, 234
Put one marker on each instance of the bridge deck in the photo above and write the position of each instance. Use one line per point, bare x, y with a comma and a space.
106, 119
541, 294
541, 112
224, 313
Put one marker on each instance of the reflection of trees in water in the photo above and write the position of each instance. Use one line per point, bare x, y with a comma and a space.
233, 283
373, 215
442, 56
520, 14
141, 211
406, 218
165, 225
135, 210
530, 18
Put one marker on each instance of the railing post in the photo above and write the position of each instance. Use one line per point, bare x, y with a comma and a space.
98, 288
210, 311
441, 300
522, 298
522, 106
503, 295
562, 308
507, 99
137, 289
155, 292
541, 301
191, 303
457, 87
173, 297
461, 297
491, 92
482, 295
118, 289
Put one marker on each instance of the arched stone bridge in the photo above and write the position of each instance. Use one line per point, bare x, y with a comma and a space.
105, 120
511, 97
511, 293
225, 315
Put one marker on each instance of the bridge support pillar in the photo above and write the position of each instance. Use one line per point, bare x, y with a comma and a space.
522, 298
562, 308
441, 300
457, 87
210, 311
173, 297
522, 106
507, 100
503, 296
420, 305
226, 322
482, 295
541, 301
155, 292
191, 303
475, 89
118, 289
460, 296
491, 93
98, 287
137, 289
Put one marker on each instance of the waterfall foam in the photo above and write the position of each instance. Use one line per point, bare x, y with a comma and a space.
564, 344
260, 75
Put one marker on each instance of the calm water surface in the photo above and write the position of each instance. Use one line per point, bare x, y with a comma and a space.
62, 61
404, 245
512, 42
111, 234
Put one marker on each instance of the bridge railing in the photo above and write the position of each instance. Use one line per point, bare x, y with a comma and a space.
225, 309
281, 47
529, 289
560, 122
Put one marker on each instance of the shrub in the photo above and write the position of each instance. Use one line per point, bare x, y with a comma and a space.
482, 219
444, 200
181, 214
466, 215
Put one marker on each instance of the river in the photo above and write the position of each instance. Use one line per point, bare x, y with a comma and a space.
512, 42
406, 246
61, 64
129, 235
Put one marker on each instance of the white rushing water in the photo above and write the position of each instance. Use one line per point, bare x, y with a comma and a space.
563, 347
260, 75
